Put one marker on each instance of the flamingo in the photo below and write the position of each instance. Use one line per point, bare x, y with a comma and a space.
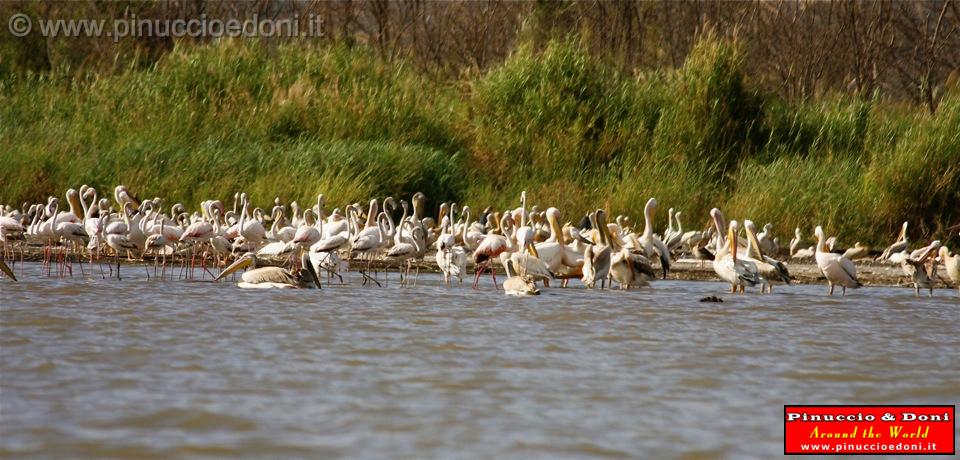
117, 239
369, 241
407, 250
490, 247
452, 262
251, 230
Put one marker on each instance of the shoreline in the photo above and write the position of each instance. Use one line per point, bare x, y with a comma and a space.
806, 272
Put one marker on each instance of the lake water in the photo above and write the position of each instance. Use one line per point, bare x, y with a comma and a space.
155, 369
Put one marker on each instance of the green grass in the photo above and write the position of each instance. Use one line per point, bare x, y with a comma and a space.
292, 121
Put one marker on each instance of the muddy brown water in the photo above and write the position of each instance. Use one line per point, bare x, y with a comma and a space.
157, 369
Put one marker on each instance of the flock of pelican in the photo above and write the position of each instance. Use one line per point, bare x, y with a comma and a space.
294, 248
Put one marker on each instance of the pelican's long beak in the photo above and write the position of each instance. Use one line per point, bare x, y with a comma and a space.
732, 242
242, 262
929, 250
532, 250
6, 270
754, 243
305, 262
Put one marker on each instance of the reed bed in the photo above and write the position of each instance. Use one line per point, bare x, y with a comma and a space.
293, 121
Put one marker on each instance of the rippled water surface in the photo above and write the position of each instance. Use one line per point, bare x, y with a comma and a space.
137, 368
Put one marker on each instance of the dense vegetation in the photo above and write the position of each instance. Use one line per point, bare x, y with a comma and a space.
575, 132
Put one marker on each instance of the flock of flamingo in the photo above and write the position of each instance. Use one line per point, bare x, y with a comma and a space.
293, 249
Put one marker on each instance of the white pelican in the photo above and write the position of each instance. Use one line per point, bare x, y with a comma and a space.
738, 273
524, 232
952, 264
695, 238
676, 239
629, 269
858, 251
271, 277
559, 257
917, 270
899, 246
651, 245
770, 269
597, 258
527, 266
795, 242
626, 268
519, 285
838, 269
766, 240
805, 253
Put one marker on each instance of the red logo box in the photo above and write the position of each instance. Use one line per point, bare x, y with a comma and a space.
869, 430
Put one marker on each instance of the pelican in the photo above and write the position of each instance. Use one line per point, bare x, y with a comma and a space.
6, 270
527, 266
739, 273
795, 242
858, 251
626, 268
952, 264
770, 269
559, 257
597, 257
916, 269
805, 253
838, 269
271, 277
519, 285
630, 269
651, 245
766, 240
899, 246
524, 233
676, 239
